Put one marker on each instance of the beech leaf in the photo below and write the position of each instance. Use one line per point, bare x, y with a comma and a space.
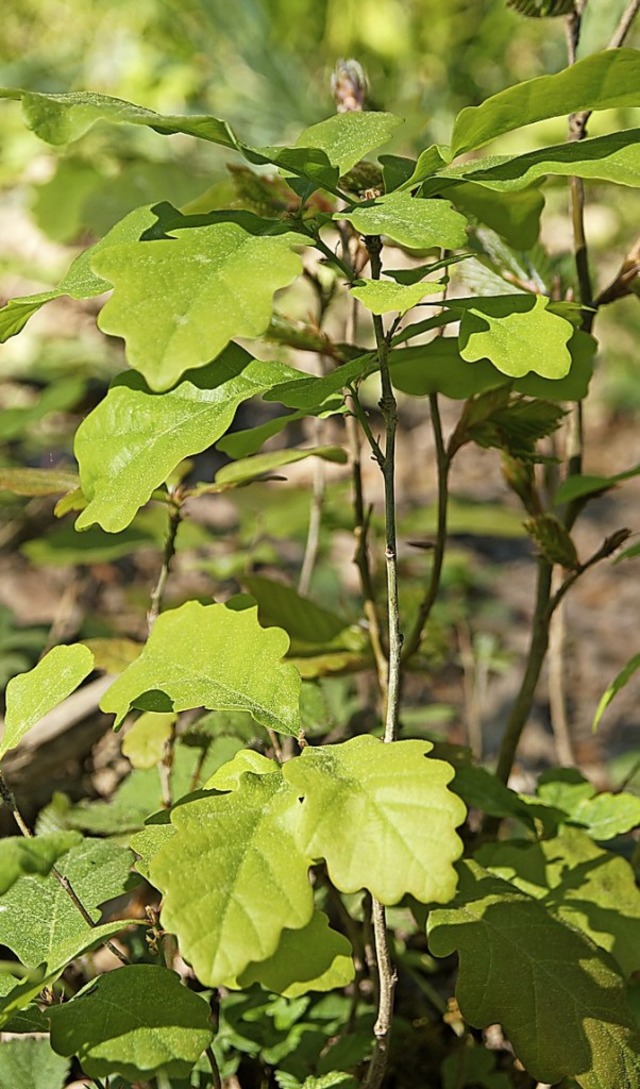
30, 696
216, 657
137, 1021
121, 465
417, 223
559, 998
517, 333
381, 816
178, 301
225, 849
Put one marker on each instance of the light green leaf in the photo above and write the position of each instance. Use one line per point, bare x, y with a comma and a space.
590, 889
602, 81
402, 801
178, 301
560, 1000
614, 157
347, 137
137, 1021
603, 815
147, 842
27, 481
229, 775
121, 465
233, 876
31, 695
212, 656
61, 118
438, 367
380, 296
79, 282
31, 1064
313, 958
518, 334
624, 676
145, 743
20, 856
413, 222
38, 919
238, 472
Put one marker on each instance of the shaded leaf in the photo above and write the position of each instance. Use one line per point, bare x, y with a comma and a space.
479, 788
400, 797
309, 392
438, 367
145, 742
31, 1064
602, 81
32, 695
559, 998
137, 1021
225, 849
582, 484
590, 889
20, 856
26, 481
238, 472
302, 619
313, 958
40, 922
212, 656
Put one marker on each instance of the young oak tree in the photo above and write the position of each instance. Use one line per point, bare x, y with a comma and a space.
274, 862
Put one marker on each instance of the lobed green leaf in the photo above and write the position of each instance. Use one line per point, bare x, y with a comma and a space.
32, 695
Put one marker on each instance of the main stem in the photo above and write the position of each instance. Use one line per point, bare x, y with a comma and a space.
386, 460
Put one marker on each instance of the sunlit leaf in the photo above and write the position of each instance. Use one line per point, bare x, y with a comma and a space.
145, 742
602, 81
347, 137
603, 815
31, 695
400, 796
177, 301
380, 296
518, 334
225, 848
419, 224
121, 465
216, 657
137, 1021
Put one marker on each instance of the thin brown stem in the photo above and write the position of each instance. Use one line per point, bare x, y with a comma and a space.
625, 24
215, 1071
175, 518
387, 985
